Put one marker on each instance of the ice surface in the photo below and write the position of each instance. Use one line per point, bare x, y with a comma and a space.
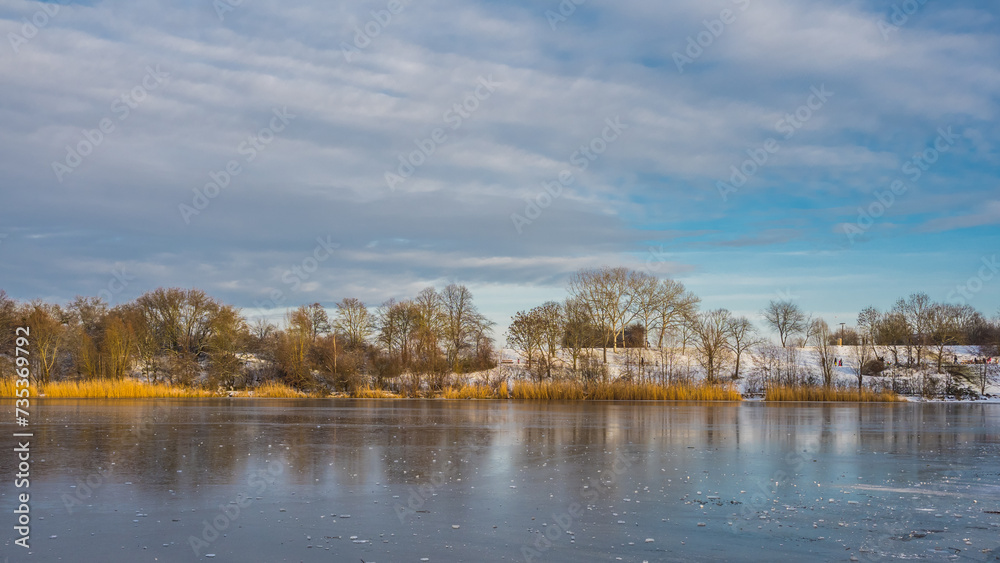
341, 480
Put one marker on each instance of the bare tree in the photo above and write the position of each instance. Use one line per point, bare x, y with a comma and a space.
180, 322
861, 355
550, 314
526, 334
868, 322
646, 305
323, 357
821, 335
946, 326
485, 354
742, 337
8, 321
807, 331
388, 329
261, 329
428, 330
627, 286
146, 344
892, 331
320, 320
675, 306
916, 310
353, 321
786, 318
90, 312
293, 348
768, 360
987, 370
48, 336
462, 322
899, 315
578, 329
397, 323
596, 289
229, 333
712, 341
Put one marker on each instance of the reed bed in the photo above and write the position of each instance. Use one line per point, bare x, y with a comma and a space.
624, 391
124, 389
810, 393
9, 389
371, 393
469, 392
548, 391
276, 390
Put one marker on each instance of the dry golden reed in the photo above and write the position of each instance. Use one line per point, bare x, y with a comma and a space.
9, 389
469, 392
624, 391
276, 390
811, 393
132, 389
124, 389
370, 393
548, 391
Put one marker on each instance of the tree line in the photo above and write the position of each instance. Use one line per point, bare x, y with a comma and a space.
186, 337
623, 308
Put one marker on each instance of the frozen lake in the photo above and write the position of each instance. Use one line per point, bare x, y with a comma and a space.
394, 481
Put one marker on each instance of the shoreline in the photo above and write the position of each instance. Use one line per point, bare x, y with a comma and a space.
552, 390
745, 400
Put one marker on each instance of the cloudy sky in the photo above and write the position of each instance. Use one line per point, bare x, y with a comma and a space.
276, 153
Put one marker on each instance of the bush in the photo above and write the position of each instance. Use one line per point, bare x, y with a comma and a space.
873, 367
593, 369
